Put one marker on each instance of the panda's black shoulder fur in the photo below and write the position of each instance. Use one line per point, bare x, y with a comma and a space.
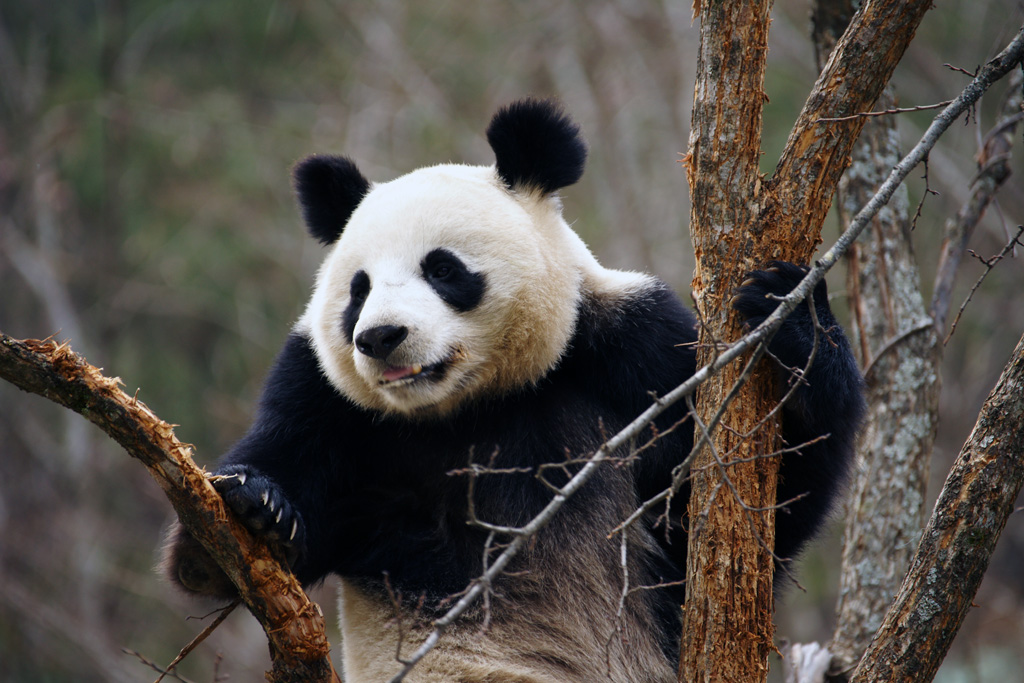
536, 146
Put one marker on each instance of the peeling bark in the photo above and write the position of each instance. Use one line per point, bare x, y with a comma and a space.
294, 625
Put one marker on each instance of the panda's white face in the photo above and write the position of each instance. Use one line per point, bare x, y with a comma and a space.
445, 286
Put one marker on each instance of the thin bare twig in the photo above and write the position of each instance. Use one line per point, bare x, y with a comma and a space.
887, 112
155, 667
990, 263
195, 642
961, 70
928, 191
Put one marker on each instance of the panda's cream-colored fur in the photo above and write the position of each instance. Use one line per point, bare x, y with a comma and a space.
560, 622
536, 268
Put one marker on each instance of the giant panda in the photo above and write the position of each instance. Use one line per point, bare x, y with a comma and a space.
458, 319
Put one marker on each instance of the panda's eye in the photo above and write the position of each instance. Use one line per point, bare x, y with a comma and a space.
441, 271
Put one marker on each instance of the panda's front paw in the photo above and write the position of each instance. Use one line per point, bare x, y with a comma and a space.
760, 292
263, 507
758, 297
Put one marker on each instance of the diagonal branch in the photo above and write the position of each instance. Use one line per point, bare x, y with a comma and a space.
799, 193
294, 625
957, 544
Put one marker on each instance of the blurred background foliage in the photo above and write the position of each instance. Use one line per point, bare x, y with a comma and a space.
146, 215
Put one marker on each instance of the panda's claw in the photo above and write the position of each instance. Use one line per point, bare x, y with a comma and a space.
263, 507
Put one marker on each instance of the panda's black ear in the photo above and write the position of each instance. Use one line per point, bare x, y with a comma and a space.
536, 146
329, 189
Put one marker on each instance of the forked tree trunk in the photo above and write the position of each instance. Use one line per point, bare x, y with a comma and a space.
738, 223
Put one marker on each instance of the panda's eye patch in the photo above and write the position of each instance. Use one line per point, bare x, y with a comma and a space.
359, 288
454, 282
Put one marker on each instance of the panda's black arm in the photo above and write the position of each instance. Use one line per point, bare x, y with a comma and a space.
368, 490
291, 457
822, 417
645, 345
274, 478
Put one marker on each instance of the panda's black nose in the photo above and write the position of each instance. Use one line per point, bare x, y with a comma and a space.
378, 342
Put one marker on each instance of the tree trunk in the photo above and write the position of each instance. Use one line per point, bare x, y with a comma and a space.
727, 626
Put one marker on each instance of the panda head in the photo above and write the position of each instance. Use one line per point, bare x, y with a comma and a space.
452, 282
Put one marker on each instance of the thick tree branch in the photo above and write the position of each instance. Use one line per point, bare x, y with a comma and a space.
294, 625
799, 193
957, 544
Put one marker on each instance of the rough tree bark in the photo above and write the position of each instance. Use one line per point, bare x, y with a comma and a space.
738, 223
294, 625
727, 625
971, 512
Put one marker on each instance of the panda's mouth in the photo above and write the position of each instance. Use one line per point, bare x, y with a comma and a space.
398, 376
409, 374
